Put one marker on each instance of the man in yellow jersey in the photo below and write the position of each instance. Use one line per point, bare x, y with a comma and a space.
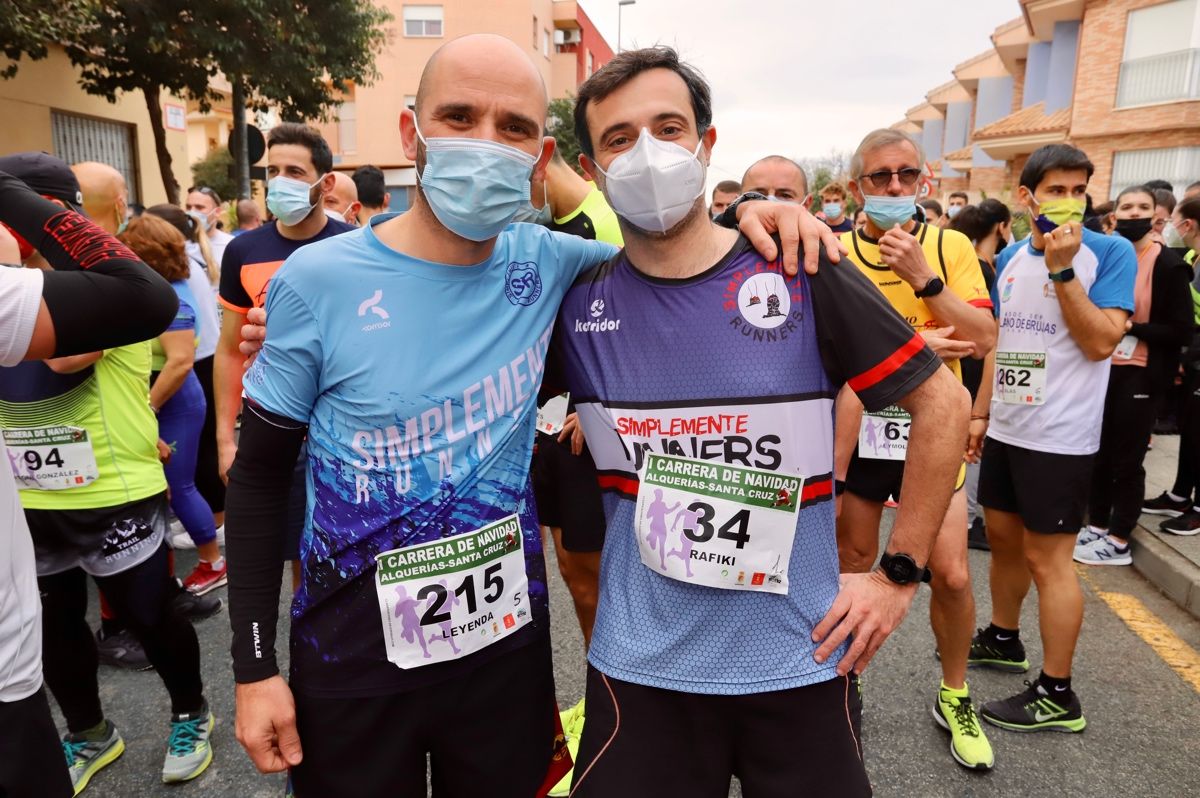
931, 277
567, 203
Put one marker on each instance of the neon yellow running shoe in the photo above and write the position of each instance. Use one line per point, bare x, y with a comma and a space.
968, 744
87, 757
572, 723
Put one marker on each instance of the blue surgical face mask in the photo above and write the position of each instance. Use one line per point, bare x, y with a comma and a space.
887, 211
832, 209
289, 199
475, 187
543, 215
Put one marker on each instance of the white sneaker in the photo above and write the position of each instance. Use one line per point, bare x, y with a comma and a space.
1089, 534
180, 539
1103, 552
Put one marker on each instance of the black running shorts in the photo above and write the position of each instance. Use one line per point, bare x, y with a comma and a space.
567, 494
875, 480
1049, 491
645, 742
103, 542
490, 732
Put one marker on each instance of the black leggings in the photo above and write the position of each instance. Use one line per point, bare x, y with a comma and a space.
208, 478
1118, 477
1189, 436
141, 597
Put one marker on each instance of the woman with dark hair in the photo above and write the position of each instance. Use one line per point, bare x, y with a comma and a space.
176, 396
1142, 370
988, 225
202, 278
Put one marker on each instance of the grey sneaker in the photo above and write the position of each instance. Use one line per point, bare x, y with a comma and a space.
85, 758
1089, 534
188, 749
1103, 551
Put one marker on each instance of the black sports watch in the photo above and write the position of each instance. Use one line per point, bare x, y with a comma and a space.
728, 217
932, 288
903, 569
1065, 276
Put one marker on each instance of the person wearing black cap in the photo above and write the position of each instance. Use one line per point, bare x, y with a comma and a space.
107, 298
82, 441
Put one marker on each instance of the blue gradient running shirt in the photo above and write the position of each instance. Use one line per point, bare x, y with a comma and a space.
736, 366
418, 383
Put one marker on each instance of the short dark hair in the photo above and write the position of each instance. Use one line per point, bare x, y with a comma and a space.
1192, 187
976, 221
931, 205
960, 194
305, 136
1155, 185
627, 65
728, 187
1054, 156
1164, 198
177, 217
1142, 189
372, 187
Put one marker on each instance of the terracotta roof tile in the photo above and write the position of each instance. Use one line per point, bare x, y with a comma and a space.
963, 154
1027, 121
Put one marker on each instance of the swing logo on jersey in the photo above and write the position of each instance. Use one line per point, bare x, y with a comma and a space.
1006, 294
767, 304
597, 323
522, 283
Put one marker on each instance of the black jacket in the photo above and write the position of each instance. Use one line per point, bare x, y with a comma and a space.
1170, 325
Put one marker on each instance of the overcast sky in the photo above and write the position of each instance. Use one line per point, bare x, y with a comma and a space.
800, 77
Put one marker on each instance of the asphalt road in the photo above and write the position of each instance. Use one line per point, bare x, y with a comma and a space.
1143, 735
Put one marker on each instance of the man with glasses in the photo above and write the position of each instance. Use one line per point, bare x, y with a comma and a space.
205, 202
932, 278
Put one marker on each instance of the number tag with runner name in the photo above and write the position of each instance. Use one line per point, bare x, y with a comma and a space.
884, 435
708, 523
452, 597
1021, 377
51, 458
1124, 350
552, 415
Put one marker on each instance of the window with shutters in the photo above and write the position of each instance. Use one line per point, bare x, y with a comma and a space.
82, 138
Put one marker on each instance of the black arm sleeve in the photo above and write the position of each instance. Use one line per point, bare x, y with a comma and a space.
864, 341
255, 528
100, 295
1172, 293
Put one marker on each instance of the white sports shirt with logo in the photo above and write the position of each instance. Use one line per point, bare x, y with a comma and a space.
1067, 420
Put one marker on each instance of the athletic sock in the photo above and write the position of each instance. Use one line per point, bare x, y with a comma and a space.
1175, 498
1001, 635
218, 563
1059, 690
95, 734
957, 692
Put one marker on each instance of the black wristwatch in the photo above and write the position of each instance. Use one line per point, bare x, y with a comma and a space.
932, 288
903, 569
728, 217
1065, 276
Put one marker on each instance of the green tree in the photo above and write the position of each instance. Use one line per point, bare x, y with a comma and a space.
29, 27
293, 54
560, 120
214, 171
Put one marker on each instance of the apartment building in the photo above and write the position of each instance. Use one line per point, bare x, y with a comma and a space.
558, 34
1118, 78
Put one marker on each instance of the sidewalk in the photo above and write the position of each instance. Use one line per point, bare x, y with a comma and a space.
1170, 562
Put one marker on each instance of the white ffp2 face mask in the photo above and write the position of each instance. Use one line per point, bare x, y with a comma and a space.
655, 183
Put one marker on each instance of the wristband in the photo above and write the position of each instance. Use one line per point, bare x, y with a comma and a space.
728, 217
839, 487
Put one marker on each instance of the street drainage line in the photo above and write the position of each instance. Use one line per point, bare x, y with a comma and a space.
1170, 647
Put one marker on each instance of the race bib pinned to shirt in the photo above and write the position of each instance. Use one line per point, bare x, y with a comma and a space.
724, 526
452, 597
1021, 377
51, 458
884, 435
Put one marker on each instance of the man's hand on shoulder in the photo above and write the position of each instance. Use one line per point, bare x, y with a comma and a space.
254, 333
758, 220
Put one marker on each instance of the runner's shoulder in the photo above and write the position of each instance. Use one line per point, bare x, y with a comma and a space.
1109, 250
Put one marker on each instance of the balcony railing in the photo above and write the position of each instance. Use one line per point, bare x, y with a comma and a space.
1160, 78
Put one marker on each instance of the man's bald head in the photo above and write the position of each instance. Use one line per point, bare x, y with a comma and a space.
481, 55
343, 200
104, 194
777, 176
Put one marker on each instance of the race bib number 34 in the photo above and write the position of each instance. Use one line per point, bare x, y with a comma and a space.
1021, 377
718, 525
51, 458
452, 597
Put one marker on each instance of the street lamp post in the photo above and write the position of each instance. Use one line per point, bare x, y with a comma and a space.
621, 7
